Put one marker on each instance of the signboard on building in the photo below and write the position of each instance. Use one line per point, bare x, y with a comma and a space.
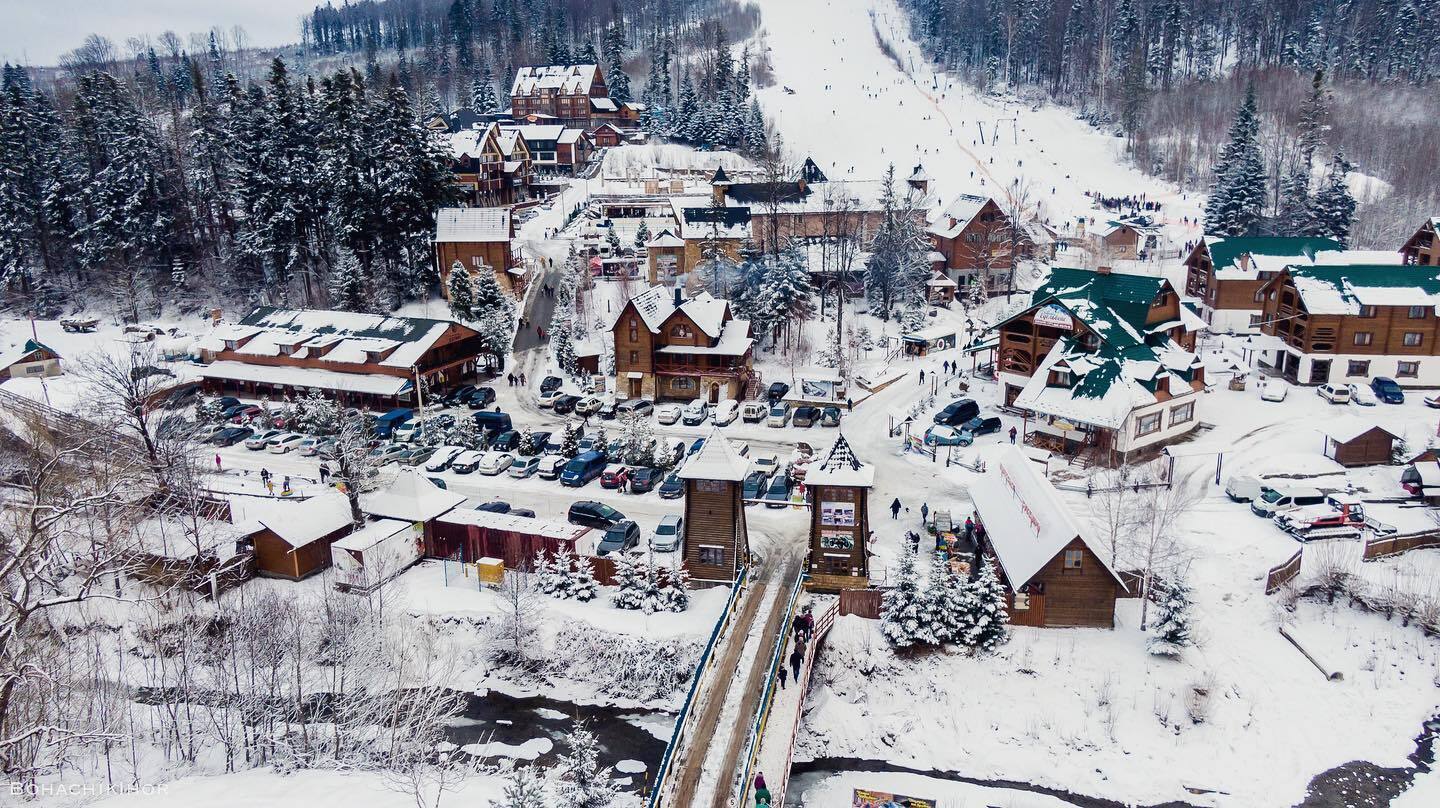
837, 514
1054, 316
865, 798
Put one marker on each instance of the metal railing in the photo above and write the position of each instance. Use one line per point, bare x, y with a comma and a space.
762, 709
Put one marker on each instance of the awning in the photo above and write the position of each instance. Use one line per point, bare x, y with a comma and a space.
977, 347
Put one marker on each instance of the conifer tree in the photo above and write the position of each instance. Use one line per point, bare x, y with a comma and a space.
615, 77
583, 782
1334, 204
482, 92
524, 788
905, 620
348, 290
1172, 621
1313, 115
687, 112
983, 627
1237, 198
461, 291
642, 234
570, 442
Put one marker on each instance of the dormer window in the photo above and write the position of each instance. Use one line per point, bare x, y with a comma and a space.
1061, 377
232, 345
1089, 341
681, 330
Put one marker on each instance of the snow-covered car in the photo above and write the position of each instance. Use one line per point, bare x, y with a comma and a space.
525, 465
696, 413
466, 462
726, 412
1274, 390
257, 441
767, 463
495, 462
551, 466
668, 414
1433, 401
443, 457
309, 447
284, 443
938, 435
588, 405
388, 453
546, 398
1334, 393
1362, 395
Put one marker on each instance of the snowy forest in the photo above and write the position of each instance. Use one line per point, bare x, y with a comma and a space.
1168, 76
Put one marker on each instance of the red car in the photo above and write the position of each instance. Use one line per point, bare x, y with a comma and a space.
246, 414
615, 477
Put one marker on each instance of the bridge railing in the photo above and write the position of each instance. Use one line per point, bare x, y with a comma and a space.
822, 626
762, 709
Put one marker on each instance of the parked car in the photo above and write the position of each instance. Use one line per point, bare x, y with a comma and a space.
755, 485
459, 395
308, 447
776, 392
1334, 393
466, 462
696, 412
939, 435
284, 443
417, 456
525, 465
224, 402
538, 439
805, 416
778, 495
767, 463
525, 512
494, 506
695, 446
619, 537
491, 421
232, 436
726, 412
1433, 401
607, 409
565, 404
480, 398
639, 406
546, 398
1245, 487
582, 469
181, 397
1387, 390
830, 416
550, 466
644, 479
443, 457
1274, 390
1281, 495
242, 413
958, 412
550, 383
588, 405
779, 415
507, 441
385, 424
494, 463
1361, 395
668, 414
614, 476
673, 487
438, 483
388, 453
257, 441
668, 534
753, 412
589, 513
977, 426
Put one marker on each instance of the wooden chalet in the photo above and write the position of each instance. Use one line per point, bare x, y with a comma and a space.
1225, 274
1102, 363
1423, 247
489, 172
478, 240
606, 135
370, 361
292, 539
1352, 322
573, 95
1352, 441
717, 544
668, 346
555, 148
972, 236
468, 535
30, 360
666, 258
839, 488
1055, 572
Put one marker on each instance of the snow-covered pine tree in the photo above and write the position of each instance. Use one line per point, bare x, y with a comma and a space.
1237, 197
465, 434
627, 582
677, 588
1334, 204
562, 342
941, 599
906, 620
347, 287
586, 53
494, 313
642, 234
614, 47
1296, 216
582, 584
755, 137
788, 292
526, 444
482, 92
461, 291
582, 782
549, 577
1310, 135
524, 788
984, 624
1172, 619
637, 435
322, 415
650, 587
686, 120
570, 442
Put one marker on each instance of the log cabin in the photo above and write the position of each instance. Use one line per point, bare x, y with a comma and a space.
668, 346
574, 95
839, 488
478, 239
973, 237
717, 544
1352, 441
1054, 572
31, 360
292, 539
1102, 364
487, 171
1423, 248
1351, 323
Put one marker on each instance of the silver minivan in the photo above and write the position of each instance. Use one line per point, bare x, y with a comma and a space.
779, 415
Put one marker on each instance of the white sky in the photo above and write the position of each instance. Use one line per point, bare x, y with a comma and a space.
37, 32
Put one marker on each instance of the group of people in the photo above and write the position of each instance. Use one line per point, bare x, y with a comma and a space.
514, 380
1134, 204
802, 630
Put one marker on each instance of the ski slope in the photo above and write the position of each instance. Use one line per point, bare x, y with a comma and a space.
855, 111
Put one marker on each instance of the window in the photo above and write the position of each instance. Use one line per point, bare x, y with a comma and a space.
682, 383
1182, 414
1417, 313
1063, 378
714, 556
1407, 370
1255, 320
1413, 339
1368, 311
1022, 602
1358, 368
1260, 296
1364, 337
1160, 300
681, 330
1147, 424
1074, 559
634, 357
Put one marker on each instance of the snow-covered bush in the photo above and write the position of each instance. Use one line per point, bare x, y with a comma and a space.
906, 619
628, 667
1172, 624
649, 587
566, 575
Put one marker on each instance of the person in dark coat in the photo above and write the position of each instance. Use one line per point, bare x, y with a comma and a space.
1013, 433
797, 658
895, 509
924, 511
969, 528
809, 625
781, 674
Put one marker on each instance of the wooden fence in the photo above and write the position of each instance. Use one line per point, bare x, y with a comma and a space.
863, 602
1283, 574
1395, 545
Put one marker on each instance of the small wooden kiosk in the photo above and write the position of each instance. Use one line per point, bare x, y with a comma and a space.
839, 519
716, 542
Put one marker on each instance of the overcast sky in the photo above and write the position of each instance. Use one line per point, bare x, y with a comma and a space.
37, 32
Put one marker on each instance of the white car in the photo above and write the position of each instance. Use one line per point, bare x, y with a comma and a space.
525, 465
1274, 390
668, 534
257, 442
1334, 393
696, 413
494, 463
767, 463
588, 405
309, 447
443, 457
1362, 395
668, 414
547, 398
726, 412
284, 443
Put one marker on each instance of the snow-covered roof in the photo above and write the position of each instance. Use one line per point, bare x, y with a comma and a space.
699, 220
735, 340
934, 332
657, 303
20, 352
563, 79
529, 526
468, 142
410, 497
840, 467
1244, 257
372, 383
716, 460
957, 215
1026, 523
170, 536
569, 135
534, 131
665, 239
372, 534
407, 339
604, 104
485, 225
1344, 289
300, 523
919, 174
1345, 428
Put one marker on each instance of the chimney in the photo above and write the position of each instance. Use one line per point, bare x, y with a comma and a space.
1103, 270
678, 299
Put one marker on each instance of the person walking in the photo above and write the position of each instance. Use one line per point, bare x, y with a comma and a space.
969, 528
270, 487
925, 512
264, 475
895, 509
762, 794
797, 658
324, 472
922, 375
522, 379
782, 673
1013, 433
217, 461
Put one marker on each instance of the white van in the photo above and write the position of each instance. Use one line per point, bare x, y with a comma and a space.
1244, 487
1282, 496
696, 413
753, 412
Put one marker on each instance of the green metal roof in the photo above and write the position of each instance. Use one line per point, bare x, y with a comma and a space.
1225, 250
1114, 305
1374, 276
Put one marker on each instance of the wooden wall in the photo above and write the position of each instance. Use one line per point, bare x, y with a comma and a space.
274, 557
822, 559
1373, 448
714, 516
1083, 597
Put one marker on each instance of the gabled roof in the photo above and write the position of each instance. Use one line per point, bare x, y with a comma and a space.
720, 177
1344, 289
1345, 428
716, 460
1114, 305
665, 239
841, 467
1225, 251
656, 305
410, 497
919, 174
1026, 523
14, 355
300, 523
470, 142
486, 225
563, 79
962, 210
409, 337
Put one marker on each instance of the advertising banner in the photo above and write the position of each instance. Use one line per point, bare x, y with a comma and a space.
865, 798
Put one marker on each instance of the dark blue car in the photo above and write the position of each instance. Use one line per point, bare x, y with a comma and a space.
1387, 390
